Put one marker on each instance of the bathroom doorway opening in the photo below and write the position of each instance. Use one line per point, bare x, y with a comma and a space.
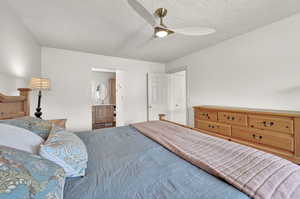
104, 99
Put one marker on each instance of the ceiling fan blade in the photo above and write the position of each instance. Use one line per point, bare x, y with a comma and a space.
142, 11
194, 31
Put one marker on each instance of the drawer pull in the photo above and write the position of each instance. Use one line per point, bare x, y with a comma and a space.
205, 115
268, 124
231, 118
211, 126
254, 136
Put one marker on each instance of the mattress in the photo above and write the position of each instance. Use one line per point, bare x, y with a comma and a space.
124, 164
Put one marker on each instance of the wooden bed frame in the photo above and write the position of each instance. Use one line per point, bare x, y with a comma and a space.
15, 106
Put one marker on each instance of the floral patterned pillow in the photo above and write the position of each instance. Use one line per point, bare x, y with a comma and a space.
35, 125
24, 175
67, 150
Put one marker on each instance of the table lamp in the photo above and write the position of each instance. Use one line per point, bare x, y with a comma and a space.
37, 83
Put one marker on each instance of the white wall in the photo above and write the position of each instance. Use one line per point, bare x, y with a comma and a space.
9, 84
20, 53
260, 69
71, 74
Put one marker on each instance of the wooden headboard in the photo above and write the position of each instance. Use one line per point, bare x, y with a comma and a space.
15, 106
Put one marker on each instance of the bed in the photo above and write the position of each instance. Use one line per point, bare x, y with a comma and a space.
126, 163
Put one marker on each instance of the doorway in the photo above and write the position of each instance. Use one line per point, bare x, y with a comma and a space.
177, 102
103, 99
167, 94
157, 86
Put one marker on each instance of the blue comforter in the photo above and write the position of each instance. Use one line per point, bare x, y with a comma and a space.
124, 164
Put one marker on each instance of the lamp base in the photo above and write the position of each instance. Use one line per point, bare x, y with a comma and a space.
38, 113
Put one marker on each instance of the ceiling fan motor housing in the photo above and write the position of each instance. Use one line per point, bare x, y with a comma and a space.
161, 12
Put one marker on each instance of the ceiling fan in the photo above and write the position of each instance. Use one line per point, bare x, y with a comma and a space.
161, 30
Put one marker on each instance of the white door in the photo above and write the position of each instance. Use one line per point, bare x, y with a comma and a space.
120, 83
157, 95
177, 97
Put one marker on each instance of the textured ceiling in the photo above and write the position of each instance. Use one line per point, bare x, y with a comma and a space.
111, 27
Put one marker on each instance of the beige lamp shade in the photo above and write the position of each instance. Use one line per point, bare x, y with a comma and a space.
37, 83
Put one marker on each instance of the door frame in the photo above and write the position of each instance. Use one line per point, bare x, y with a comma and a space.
120, 105
147, 87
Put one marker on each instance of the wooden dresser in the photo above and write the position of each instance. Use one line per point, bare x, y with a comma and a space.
103, 116
277, 132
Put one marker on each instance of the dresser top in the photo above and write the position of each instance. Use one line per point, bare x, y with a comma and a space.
252, 110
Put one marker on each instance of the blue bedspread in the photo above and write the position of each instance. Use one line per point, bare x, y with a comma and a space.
124, 164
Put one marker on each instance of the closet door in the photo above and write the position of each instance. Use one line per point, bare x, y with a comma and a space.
157, 95
177, 98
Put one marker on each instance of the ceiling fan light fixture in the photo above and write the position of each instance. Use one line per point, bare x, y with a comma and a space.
162, 32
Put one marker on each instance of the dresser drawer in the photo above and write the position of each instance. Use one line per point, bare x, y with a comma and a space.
201, 114
233, 118
280, 124
263, 137
243, 133
280, 141
222, 129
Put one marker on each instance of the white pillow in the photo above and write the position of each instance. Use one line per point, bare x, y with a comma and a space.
19, 138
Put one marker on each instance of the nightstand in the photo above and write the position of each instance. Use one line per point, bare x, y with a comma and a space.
59, 122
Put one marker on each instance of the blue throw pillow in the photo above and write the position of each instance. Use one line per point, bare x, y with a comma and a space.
24, 175
67, 150
35, 125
